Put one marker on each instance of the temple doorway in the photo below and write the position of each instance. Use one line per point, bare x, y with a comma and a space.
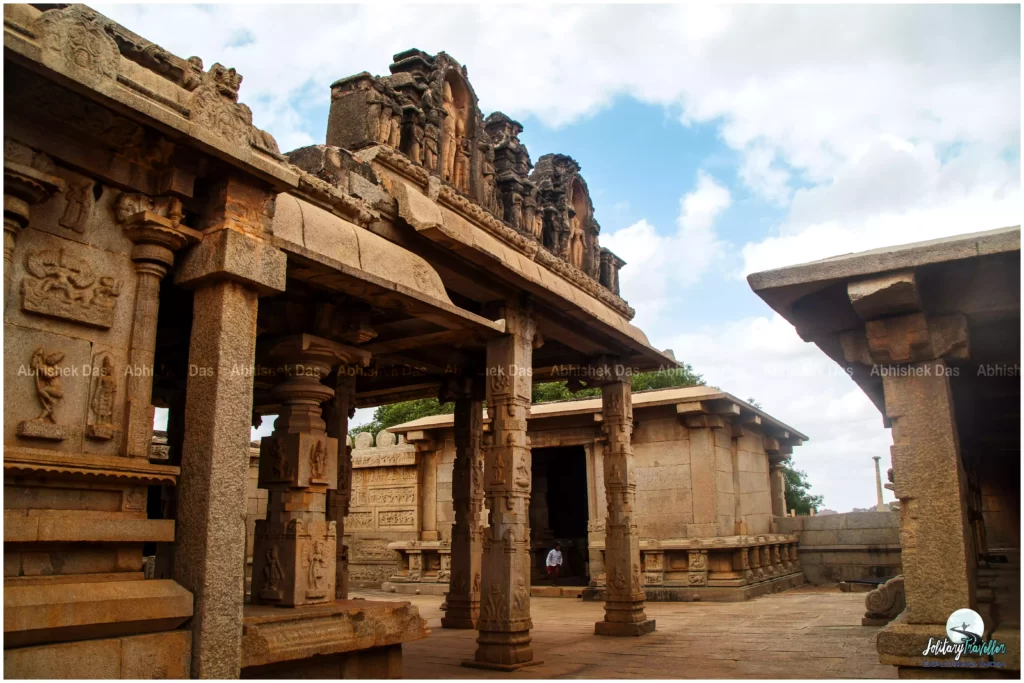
558, 512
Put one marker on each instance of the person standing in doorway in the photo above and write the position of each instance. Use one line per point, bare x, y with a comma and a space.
554, 563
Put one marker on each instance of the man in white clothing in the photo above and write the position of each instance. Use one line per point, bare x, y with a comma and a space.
554, 563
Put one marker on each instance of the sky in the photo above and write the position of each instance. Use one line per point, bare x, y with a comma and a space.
716, 141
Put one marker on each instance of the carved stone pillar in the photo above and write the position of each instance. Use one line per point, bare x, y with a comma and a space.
504, 640
935, 536
463, 597
341, 410
228, 271
154, 226
624, 591
777, 483
910, 351
24, 186
295, 555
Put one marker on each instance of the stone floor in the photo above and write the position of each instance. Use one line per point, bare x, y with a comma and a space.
809, 632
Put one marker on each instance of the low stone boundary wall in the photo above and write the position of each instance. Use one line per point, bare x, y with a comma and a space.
848, 546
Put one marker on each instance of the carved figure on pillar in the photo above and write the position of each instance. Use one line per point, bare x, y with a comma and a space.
296, 531
504, 639
463, 597
624, 598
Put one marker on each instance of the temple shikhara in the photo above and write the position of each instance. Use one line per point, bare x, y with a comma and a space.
161, 251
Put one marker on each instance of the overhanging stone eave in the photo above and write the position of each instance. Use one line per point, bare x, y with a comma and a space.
781, 287
389, 294
583, 406
444, 226
118, 97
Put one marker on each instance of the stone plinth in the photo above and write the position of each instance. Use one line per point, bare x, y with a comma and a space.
723, 569
310, 639
146, 656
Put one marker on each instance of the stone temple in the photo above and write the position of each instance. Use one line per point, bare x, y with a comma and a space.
160, 251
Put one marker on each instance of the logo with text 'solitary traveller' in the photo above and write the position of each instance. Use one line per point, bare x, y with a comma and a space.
965, 634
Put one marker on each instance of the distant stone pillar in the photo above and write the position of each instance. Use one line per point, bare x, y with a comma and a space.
228, 271
878, 483
340, 411
777, 481
463, 597
624, 591
504, 626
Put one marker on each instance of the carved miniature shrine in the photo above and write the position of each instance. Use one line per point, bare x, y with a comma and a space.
161, 251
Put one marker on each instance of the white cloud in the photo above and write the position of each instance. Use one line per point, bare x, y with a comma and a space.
764, 358
805, 86
892, 193
658, 265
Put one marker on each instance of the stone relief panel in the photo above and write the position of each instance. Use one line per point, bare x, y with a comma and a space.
385, 504
46, 392
78, 290
62, 285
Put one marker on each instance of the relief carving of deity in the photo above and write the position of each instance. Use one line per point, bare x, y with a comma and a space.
101, 407
318, 461
272, 572
79, 206
316, 566
576, 242
449, 131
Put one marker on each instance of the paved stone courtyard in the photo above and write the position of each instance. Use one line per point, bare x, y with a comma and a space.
809, 632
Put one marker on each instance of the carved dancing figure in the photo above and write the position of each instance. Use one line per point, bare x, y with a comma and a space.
49, 388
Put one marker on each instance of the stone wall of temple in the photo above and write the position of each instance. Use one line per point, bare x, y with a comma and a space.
852, 545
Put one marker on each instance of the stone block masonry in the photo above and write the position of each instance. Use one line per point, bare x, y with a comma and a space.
848, 546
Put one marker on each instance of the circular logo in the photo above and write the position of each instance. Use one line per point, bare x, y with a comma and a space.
965, 625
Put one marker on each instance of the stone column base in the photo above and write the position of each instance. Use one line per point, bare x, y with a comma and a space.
459, 622
502, 651
491, 666
615, 628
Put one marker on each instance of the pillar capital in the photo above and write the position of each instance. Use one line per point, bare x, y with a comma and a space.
25, 185
231, 255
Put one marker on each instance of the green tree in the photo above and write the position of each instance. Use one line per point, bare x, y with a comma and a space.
397, 413
798, 495
644, 381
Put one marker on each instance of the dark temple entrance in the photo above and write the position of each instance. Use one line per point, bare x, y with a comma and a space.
558, 512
